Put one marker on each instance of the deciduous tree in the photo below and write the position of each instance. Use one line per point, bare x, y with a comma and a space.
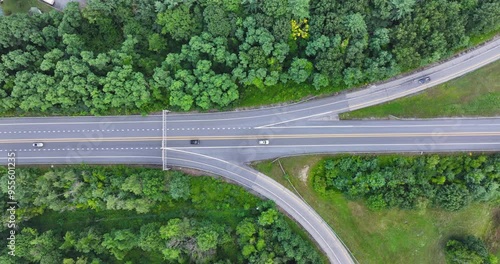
181, 22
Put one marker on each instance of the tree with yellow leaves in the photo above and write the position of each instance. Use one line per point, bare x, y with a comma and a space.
300, 28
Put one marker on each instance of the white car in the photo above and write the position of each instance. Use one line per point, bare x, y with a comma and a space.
38, 144
263, 142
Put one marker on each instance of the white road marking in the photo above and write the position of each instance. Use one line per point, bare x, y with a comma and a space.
78, 131
341, 145
82, 123
384, 126
100, 157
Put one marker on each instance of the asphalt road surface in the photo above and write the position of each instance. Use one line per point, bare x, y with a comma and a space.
138, 139
61, 4
228, 141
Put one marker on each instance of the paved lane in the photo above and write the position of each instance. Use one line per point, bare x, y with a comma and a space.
285, 199
67, 142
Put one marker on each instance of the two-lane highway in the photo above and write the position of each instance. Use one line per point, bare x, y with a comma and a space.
109, 139
87, 139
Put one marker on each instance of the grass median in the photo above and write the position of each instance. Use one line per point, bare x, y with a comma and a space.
475, 94
390, 235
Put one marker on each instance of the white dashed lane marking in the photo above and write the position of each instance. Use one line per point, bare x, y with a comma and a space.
77, 149
79, 131
121, 130
207, 128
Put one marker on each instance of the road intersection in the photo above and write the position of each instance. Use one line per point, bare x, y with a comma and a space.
229, 140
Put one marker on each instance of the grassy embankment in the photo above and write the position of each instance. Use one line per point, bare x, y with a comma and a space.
475, 94
390, 235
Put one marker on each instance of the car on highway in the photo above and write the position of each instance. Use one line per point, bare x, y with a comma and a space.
424, 80
38, 144
263, 142
194, 142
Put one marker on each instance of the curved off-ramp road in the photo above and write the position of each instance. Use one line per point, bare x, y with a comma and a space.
229, 140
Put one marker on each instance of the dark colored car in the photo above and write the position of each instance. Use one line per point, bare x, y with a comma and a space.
194, 142
424, 80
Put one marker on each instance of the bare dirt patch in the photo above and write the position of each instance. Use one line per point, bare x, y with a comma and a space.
192, 172
304, 173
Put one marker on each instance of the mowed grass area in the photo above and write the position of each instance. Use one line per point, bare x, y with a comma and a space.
392, 235
475, 94
23, 6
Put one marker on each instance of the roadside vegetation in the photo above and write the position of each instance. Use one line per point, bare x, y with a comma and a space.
468, 249
117, 214
410, 182
475, 94
119, 57
414, 232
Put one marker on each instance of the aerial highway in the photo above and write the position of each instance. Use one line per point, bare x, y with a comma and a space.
105, 141
228, 141
225, 150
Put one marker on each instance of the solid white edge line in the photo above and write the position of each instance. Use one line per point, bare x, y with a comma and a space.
391, 126
341, 145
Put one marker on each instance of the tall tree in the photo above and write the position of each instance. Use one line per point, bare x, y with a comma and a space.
181, 22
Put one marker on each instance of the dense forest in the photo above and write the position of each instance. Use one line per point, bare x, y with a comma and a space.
125, 56
92, 214
448, 182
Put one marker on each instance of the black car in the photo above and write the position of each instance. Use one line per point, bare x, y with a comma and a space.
424, 80
194, 142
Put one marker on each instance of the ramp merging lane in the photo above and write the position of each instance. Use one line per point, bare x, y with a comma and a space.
228, 141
